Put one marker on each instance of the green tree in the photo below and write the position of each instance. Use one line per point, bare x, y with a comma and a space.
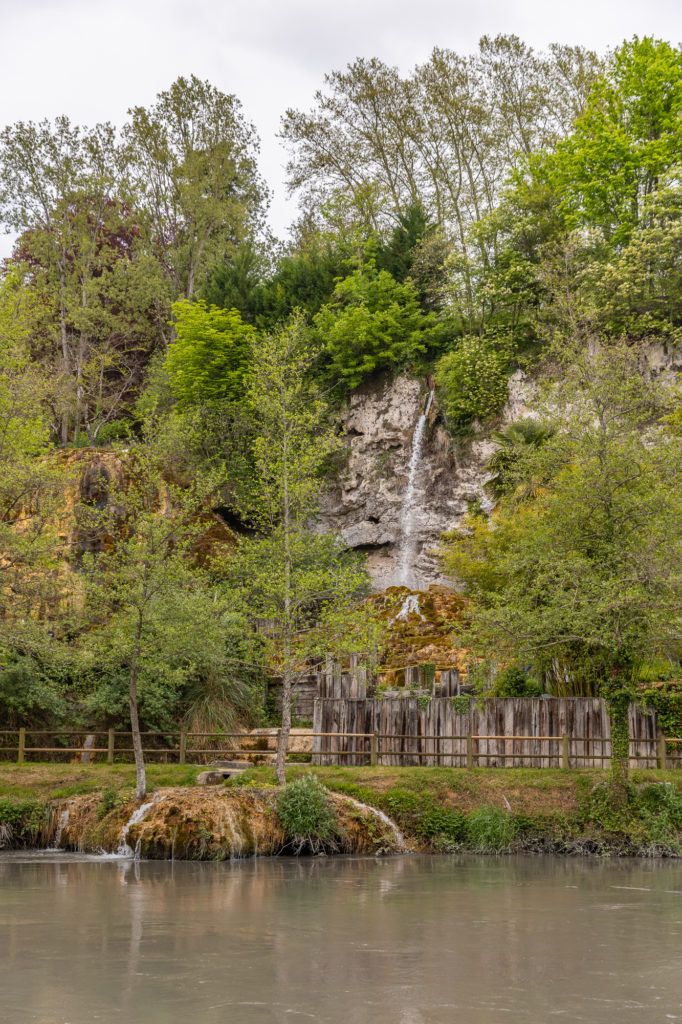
30, 484
373, 323
305, 586
60, 186
585, 578
627, 138
208, 358
193, 172
148, 609
472, 380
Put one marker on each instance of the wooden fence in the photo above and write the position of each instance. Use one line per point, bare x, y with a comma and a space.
358, 682
513, 732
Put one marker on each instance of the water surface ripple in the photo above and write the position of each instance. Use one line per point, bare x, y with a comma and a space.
403, 940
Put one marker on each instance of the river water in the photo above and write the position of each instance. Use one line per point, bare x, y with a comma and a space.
405, 940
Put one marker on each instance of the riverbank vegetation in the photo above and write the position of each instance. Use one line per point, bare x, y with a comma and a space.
438, 810
172, 378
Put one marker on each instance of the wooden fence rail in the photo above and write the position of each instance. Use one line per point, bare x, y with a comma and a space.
376, 748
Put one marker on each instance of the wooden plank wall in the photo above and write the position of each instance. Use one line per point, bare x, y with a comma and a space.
435, 734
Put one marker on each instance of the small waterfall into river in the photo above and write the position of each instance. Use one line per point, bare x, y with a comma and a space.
374, 812
135, 818
407, 544
61, 825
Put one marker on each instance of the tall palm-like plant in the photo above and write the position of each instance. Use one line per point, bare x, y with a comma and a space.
511, 442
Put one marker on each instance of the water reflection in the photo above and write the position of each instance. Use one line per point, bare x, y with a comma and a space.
413, 940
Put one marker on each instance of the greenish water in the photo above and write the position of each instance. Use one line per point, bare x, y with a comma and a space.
405, 940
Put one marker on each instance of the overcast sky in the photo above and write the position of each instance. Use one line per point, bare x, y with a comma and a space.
92, 59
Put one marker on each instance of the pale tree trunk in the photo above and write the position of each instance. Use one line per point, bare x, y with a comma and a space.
284, 732
287, 666
141, 775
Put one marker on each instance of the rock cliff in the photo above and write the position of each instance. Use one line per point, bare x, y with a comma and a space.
367, 502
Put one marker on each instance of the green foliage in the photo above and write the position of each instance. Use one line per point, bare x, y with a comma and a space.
209, 358
307, 816
20, 821
373, 323
666, 701
581, 581
111, 799
472, 380
490, 830
423, 815
27, 694
627, 138
461, 704
301, 281
515, 682
511, 443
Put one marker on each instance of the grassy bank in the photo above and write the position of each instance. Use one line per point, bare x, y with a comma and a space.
438, 809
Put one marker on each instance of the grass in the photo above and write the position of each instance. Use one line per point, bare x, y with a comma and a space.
51, 781
439, 809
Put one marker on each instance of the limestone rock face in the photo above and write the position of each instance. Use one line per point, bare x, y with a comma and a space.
367, 503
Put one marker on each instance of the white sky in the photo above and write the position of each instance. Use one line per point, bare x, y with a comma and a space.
92, 59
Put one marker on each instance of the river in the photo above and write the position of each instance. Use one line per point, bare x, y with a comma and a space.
405, 940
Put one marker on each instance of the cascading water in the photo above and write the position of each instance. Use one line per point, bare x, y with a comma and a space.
61, 825
135, 818
407, 544
399, 838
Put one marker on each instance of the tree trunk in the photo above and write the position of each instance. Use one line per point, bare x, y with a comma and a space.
284, 732
141, 782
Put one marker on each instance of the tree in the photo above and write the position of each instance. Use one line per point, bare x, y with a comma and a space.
373, 323
148, 609
305, 586
209, 357
585, 577
447, 135
30, 486
472, 380
627, 138
511, 443
193, 172
60, 187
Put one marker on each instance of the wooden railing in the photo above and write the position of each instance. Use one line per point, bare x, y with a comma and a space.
374, 747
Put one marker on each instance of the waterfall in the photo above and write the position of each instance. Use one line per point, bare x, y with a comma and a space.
384, 818
407, 546
135, 818
61, 825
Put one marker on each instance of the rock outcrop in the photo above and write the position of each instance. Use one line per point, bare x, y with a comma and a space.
205, 823
366, 505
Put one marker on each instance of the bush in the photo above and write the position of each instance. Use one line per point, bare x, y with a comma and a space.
490, 830
307, 816
472, 380
514, 682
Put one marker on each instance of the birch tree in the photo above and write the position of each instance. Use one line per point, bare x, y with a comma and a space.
302, 587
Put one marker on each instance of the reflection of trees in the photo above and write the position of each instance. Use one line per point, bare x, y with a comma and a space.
409, 940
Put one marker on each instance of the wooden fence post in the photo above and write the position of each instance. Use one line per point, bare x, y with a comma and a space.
110, 747
374, 748
660, 758
182, 756
22, 745
564, 750
470, 751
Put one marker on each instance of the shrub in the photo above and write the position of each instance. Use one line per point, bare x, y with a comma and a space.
461, 704
307, 816
514, 682
490, 830
472, 380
